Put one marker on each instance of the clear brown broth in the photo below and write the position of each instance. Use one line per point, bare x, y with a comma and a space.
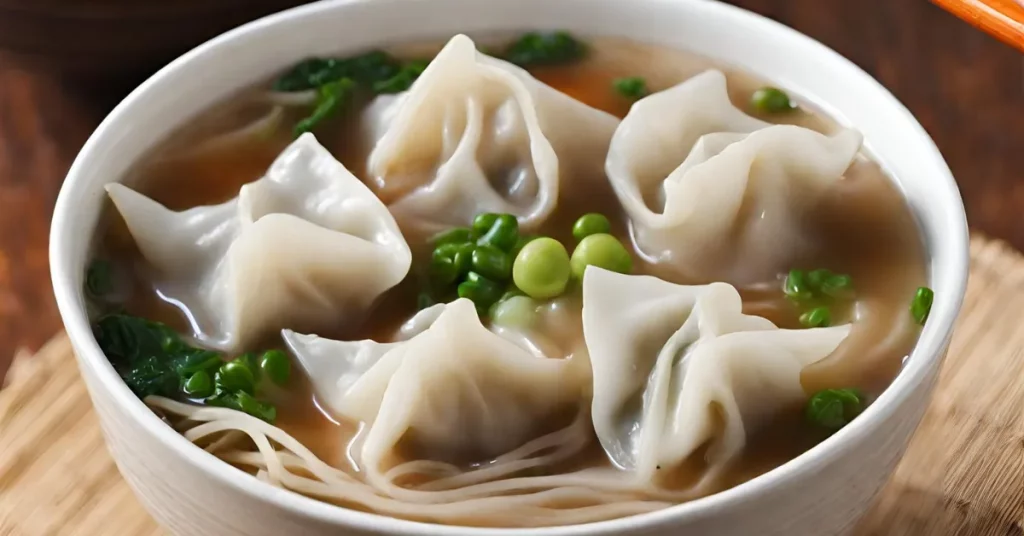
862, 227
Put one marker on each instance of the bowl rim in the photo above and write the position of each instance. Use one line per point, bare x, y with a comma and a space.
925, 358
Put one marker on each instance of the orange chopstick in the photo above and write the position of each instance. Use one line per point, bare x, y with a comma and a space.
1003, 19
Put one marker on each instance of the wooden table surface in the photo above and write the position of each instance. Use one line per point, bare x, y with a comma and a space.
966, 88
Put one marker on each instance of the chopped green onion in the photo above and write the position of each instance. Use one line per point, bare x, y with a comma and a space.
833, 409
457, 235
818, 317
275, 365
492, 263
601, 250
771, 100
443, 271
99, 279
370, 68
632, 87
502, 234
922, 304
199, 361
796, 287
545, 49
244, 402
199, 385
483, 223
482, 291
235, 376
542, 268
815, 278
837, 286
590, 224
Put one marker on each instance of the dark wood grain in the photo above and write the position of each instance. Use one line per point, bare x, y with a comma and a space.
965, 87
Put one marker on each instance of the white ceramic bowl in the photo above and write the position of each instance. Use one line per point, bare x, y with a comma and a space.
822, 492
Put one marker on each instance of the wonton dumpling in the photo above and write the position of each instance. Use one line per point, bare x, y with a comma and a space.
307, 245
478, 134
714, 193
666, 358
456, 388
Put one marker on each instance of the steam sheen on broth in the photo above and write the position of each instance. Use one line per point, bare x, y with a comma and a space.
585, 445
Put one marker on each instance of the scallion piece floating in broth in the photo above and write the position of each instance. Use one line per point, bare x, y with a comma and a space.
632, 87
771, 100
545, 49
833, 409
819, 317
99, 279
922, 304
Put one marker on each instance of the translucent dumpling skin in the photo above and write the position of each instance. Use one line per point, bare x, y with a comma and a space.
680, 367
478, 134
308, 245
456, 388
714, 194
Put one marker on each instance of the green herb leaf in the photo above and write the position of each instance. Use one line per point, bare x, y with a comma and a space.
833, 409
921, 307
368, 68
330, 98
633, 87
403, 79
545, 49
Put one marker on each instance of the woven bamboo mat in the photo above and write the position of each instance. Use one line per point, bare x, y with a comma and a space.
963, 474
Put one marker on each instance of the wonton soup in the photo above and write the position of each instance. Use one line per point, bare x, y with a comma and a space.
529, 284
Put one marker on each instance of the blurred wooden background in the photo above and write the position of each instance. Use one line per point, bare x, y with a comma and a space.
965, 87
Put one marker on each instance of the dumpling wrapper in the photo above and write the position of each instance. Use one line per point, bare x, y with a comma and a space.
307, 246
477, 134
714, 193
667, 358
456, 388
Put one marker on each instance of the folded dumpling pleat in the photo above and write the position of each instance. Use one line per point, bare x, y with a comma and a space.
454, 390
716, 194
478, 134
677, 368
306, 246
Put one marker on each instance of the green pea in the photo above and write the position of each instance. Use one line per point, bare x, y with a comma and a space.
590, 224
236, 376
838, 286
922, 304
514, 312
276, 366
541, 270
481, 291
833, 409
796, 287
199, 385
492, 262
458, 235
483, 223
818, 317
601, 250
503, 234
771, 100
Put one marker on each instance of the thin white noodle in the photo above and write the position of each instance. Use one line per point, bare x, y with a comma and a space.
465, 498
